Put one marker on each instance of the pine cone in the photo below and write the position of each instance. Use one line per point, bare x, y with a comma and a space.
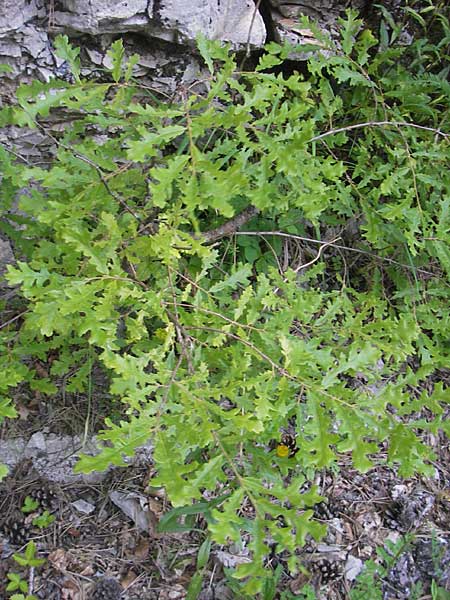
106, 589
46, 496
326, 570
415, 508
409, 512
16, 529
325, 511
392, 516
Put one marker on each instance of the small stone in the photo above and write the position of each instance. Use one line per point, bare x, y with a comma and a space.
83, 507
353, 567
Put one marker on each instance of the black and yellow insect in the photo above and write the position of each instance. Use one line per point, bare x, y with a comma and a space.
286, 447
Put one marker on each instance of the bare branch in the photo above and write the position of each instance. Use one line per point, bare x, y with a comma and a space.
230, 227
377, 124
339, 246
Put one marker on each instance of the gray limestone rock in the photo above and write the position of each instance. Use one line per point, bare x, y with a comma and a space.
236, 21
285, 17
15, 13
96, 17
27, 28
54, 456
6, 258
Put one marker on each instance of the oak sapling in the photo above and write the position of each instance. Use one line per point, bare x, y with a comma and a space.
331, 321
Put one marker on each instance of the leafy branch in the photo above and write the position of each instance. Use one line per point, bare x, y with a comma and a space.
216, 339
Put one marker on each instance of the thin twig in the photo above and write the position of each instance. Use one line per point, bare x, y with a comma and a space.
162, 404
339, 246
191, 281
92, 164
14, 319
308, 264
192, 147
31, 580
216, 314
185, 351
260, 353
272, 249
18, 156
377, 124
250, 29
316, 258
282, 371
240, 479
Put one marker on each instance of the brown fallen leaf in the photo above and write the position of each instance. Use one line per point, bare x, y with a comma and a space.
88, 571
22, 411
59, 559
128, 579
74, 532
70, 590
142, 549
156, 507
40, 370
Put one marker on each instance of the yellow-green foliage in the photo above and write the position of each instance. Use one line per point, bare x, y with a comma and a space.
212, 348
